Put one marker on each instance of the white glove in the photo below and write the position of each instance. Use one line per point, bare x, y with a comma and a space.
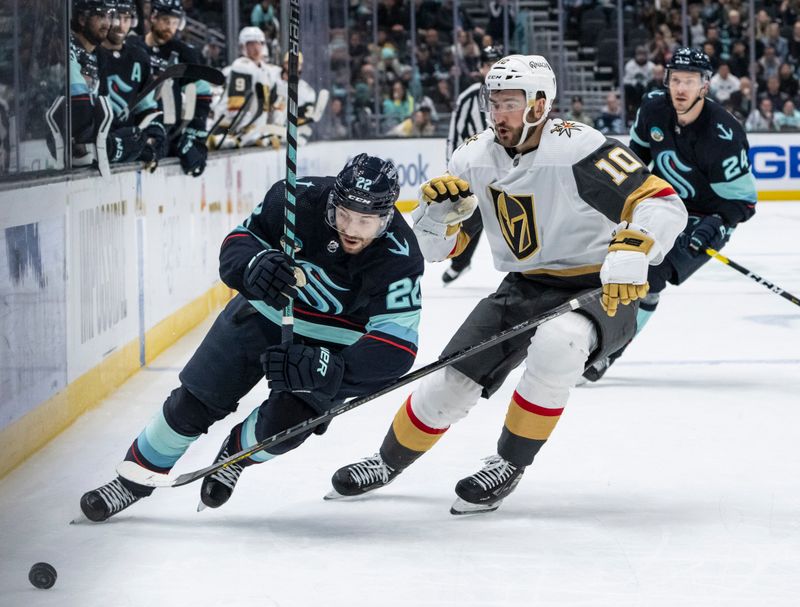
624, 270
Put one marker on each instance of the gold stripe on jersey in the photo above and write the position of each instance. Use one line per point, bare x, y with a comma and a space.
517, 218
462, 240
577, 271
652, 185
235, 102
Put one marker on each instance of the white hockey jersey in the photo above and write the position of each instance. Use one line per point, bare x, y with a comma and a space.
551, 210
306, 99
244, 76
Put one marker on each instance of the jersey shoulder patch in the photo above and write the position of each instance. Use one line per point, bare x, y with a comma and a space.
472, 151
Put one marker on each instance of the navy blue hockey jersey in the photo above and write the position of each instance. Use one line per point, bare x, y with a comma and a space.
706, 161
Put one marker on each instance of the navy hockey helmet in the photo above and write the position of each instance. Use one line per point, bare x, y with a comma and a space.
126, 7
687, 59
367, 184
173, 8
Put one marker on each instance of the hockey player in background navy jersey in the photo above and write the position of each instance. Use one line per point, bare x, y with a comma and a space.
357, 310
702, 151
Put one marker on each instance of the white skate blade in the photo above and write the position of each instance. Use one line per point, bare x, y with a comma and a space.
335, 495
80, 519
460, 507
201, 506
135, 473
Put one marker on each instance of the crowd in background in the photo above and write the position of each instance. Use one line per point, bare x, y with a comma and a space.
400, 76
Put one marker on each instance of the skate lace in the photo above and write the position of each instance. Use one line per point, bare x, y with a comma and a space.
370, 470
116, 496
228, 475
496, 472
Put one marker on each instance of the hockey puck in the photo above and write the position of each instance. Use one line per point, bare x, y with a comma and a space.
43, 575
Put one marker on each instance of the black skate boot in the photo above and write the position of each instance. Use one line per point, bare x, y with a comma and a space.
485, 490
359, 478
451, 274
218, 487
106, 501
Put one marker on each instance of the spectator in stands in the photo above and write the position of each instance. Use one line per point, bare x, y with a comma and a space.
762, 118
657, 81
741, 101
389, 66
788, 119
723, 83
710, 50
398, 107
467, 54
496, 27
443, 96
774, 93
335, 126
426, 67
697, 29
659, 49
710, 12
610, 120
775, 40
788, 82
730, 32
392, 13
794, 43
762, 25
739, 62
263, 12
788, 12
769, 62
638, 72
420, 124
712, 37
577, 113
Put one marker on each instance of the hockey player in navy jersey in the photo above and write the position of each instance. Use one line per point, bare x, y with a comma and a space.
124, 71
357, 310
565, 210
186, 105
702, 151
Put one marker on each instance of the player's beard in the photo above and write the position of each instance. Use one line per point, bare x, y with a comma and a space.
116, 36
508, 137
162, 36
97, 35
353, 244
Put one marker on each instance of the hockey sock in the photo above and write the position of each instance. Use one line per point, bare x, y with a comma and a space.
408, 438
158, 446
646, 309
526, 429
248, 438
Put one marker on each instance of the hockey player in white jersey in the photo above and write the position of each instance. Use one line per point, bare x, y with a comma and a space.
565, 210
310, 106
242, 110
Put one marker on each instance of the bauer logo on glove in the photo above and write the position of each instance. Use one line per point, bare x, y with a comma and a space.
624, 271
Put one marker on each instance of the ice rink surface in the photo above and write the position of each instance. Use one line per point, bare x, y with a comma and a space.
674, 481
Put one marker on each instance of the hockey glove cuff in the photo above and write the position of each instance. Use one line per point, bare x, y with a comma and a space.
270, 277
299, 368
193, 152
125, 144
624, 271
709, 232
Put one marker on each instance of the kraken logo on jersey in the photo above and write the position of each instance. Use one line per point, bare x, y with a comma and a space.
317, 292
517, 220
670, 168
117, 85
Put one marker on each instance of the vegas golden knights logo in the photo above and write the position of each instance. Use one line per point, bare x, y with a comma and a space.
517, 222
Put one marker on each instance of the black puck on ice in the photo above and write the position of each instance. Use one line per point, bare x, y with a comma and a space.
43, 575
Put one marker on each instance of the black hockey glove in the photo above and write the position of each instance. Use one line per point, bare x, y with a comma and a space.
298, 368
709, 232
193, 152
270, 277
125, 144
155, 147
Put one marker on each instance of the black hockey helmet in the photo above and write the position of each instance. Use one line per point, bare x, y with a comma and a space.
127, 7
687, 59
168, 7
96, 7
490, 54
367, 184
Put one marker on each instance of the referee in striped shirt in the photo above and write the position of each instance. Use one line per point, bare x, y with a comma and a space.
468, 120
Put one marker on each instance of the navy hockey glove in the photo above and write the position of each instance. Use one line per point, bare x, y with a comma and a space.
299, 368
193, 152
709, 232
125, 144
155, 147
270, 278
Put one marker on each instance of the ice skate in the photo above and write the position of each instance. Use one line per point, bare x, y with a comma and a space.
485, 490
450, 274
361, 477
218, 487
106, 501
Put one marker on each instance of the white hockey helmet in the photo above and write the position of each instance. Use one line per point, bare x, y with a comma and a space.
251, 34
529, 73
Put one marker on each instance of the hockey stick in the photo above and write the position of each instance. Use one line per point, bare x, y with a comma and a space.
184, 71
142, 476
289, 244
762, 281
236, 120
